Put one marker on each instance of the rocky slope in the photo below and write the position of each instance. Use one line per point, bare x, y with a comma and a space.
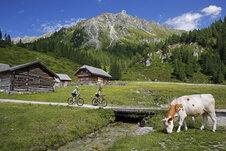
121, 27
105, 30
27, 39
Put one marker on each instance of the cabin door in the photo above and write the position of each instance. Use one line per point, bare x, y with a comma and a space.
99, 79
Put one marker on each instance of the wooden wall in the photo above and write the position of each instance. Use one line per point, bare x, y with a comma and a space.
5, 82
84, 76
32, 79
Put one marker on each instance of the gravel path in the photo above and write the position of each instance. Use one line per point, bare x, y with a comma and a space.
84, 105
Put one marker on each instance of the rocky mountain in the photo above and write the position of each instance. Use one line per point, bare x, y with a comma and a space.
107, 29
27, 39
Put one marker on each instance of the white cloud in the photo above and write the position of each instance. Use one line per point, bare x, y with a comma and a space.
212, 11
99, 1
55, 26
187, 21
191, 21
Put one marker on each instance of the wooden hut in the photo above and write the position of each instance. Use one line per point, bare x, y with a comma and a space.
89, 74
29, 77
63, 80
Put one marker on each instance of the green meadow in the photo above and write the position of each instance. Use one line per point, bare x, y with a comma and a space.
133, 94
39, 127
42, 127
191, 140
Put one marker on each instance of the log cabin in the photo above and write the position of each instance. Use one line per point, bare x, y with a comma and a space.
26, 78
88, 74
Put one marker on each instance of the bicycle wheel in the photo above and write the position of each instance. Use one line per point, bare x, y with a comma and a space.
94, 102
104, 102
70, 101
80, 102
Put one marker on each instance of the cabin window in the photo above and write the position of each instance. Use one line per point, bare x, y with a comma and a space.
82, 79
87, 71
87, 79
81, 71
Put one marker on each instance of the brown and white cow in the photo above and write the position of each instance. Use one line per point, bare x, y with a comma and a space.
190, 105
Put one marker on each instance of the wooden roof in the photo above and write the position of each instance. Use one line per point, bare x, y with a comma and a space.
4, 67
14, 68
63, 77
95, 71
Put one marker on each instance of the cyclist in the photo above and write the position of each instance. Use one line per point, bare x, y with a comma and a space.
99, 91
75, 93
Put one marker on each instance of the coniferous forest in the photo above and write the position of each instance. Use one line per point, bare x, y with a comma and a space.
212, 61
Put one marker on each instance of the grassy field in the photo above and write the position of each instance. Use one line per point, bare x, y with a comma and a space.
39, 127
135, 94
192, 140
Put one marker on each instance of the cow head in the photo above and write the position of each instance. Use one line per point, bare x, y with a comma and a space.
168, 123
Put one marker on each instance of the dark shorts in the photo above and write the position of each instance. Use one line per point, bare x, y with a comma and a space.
97, 95
73, 94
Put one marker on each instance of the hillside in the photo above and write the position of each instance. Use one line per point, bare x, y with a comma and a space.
14, 55
104, 39
198, 56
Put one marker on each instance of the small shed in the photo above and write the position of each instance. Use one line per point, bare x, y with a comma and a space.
63, 80
29, 77
89, 74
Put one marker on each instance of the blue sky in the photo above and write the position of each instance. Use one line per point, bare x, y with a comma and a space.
36, 17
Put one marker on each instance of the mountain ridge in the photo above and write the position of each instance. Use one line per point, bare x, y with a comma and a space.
111, 28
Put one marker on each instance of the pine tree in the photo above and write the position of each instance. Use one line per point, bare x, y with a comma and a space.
181, 71
115, 71
20, 44
105, 69
5, 37
218, 77
8, 39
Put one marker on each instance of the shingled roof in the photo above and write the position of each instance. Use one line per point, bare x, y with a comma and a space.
63, 77
26, 65
4, 67
95, 71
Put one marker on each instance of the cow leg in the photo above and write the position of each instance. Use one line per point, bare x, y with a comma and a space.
205, 119
214, 119
193, 119
185, 125
181, 121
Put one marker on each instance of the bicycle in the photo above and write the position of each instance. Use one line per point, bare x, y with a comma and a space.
79, 100
102, 101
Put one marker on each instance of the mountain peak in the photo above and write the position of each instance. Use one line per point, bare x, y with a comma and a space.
123, 12
121, 27
107, 29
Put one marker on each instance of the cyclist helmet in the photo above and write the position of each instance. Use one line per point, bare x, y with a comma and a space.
100, 88
76, 87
